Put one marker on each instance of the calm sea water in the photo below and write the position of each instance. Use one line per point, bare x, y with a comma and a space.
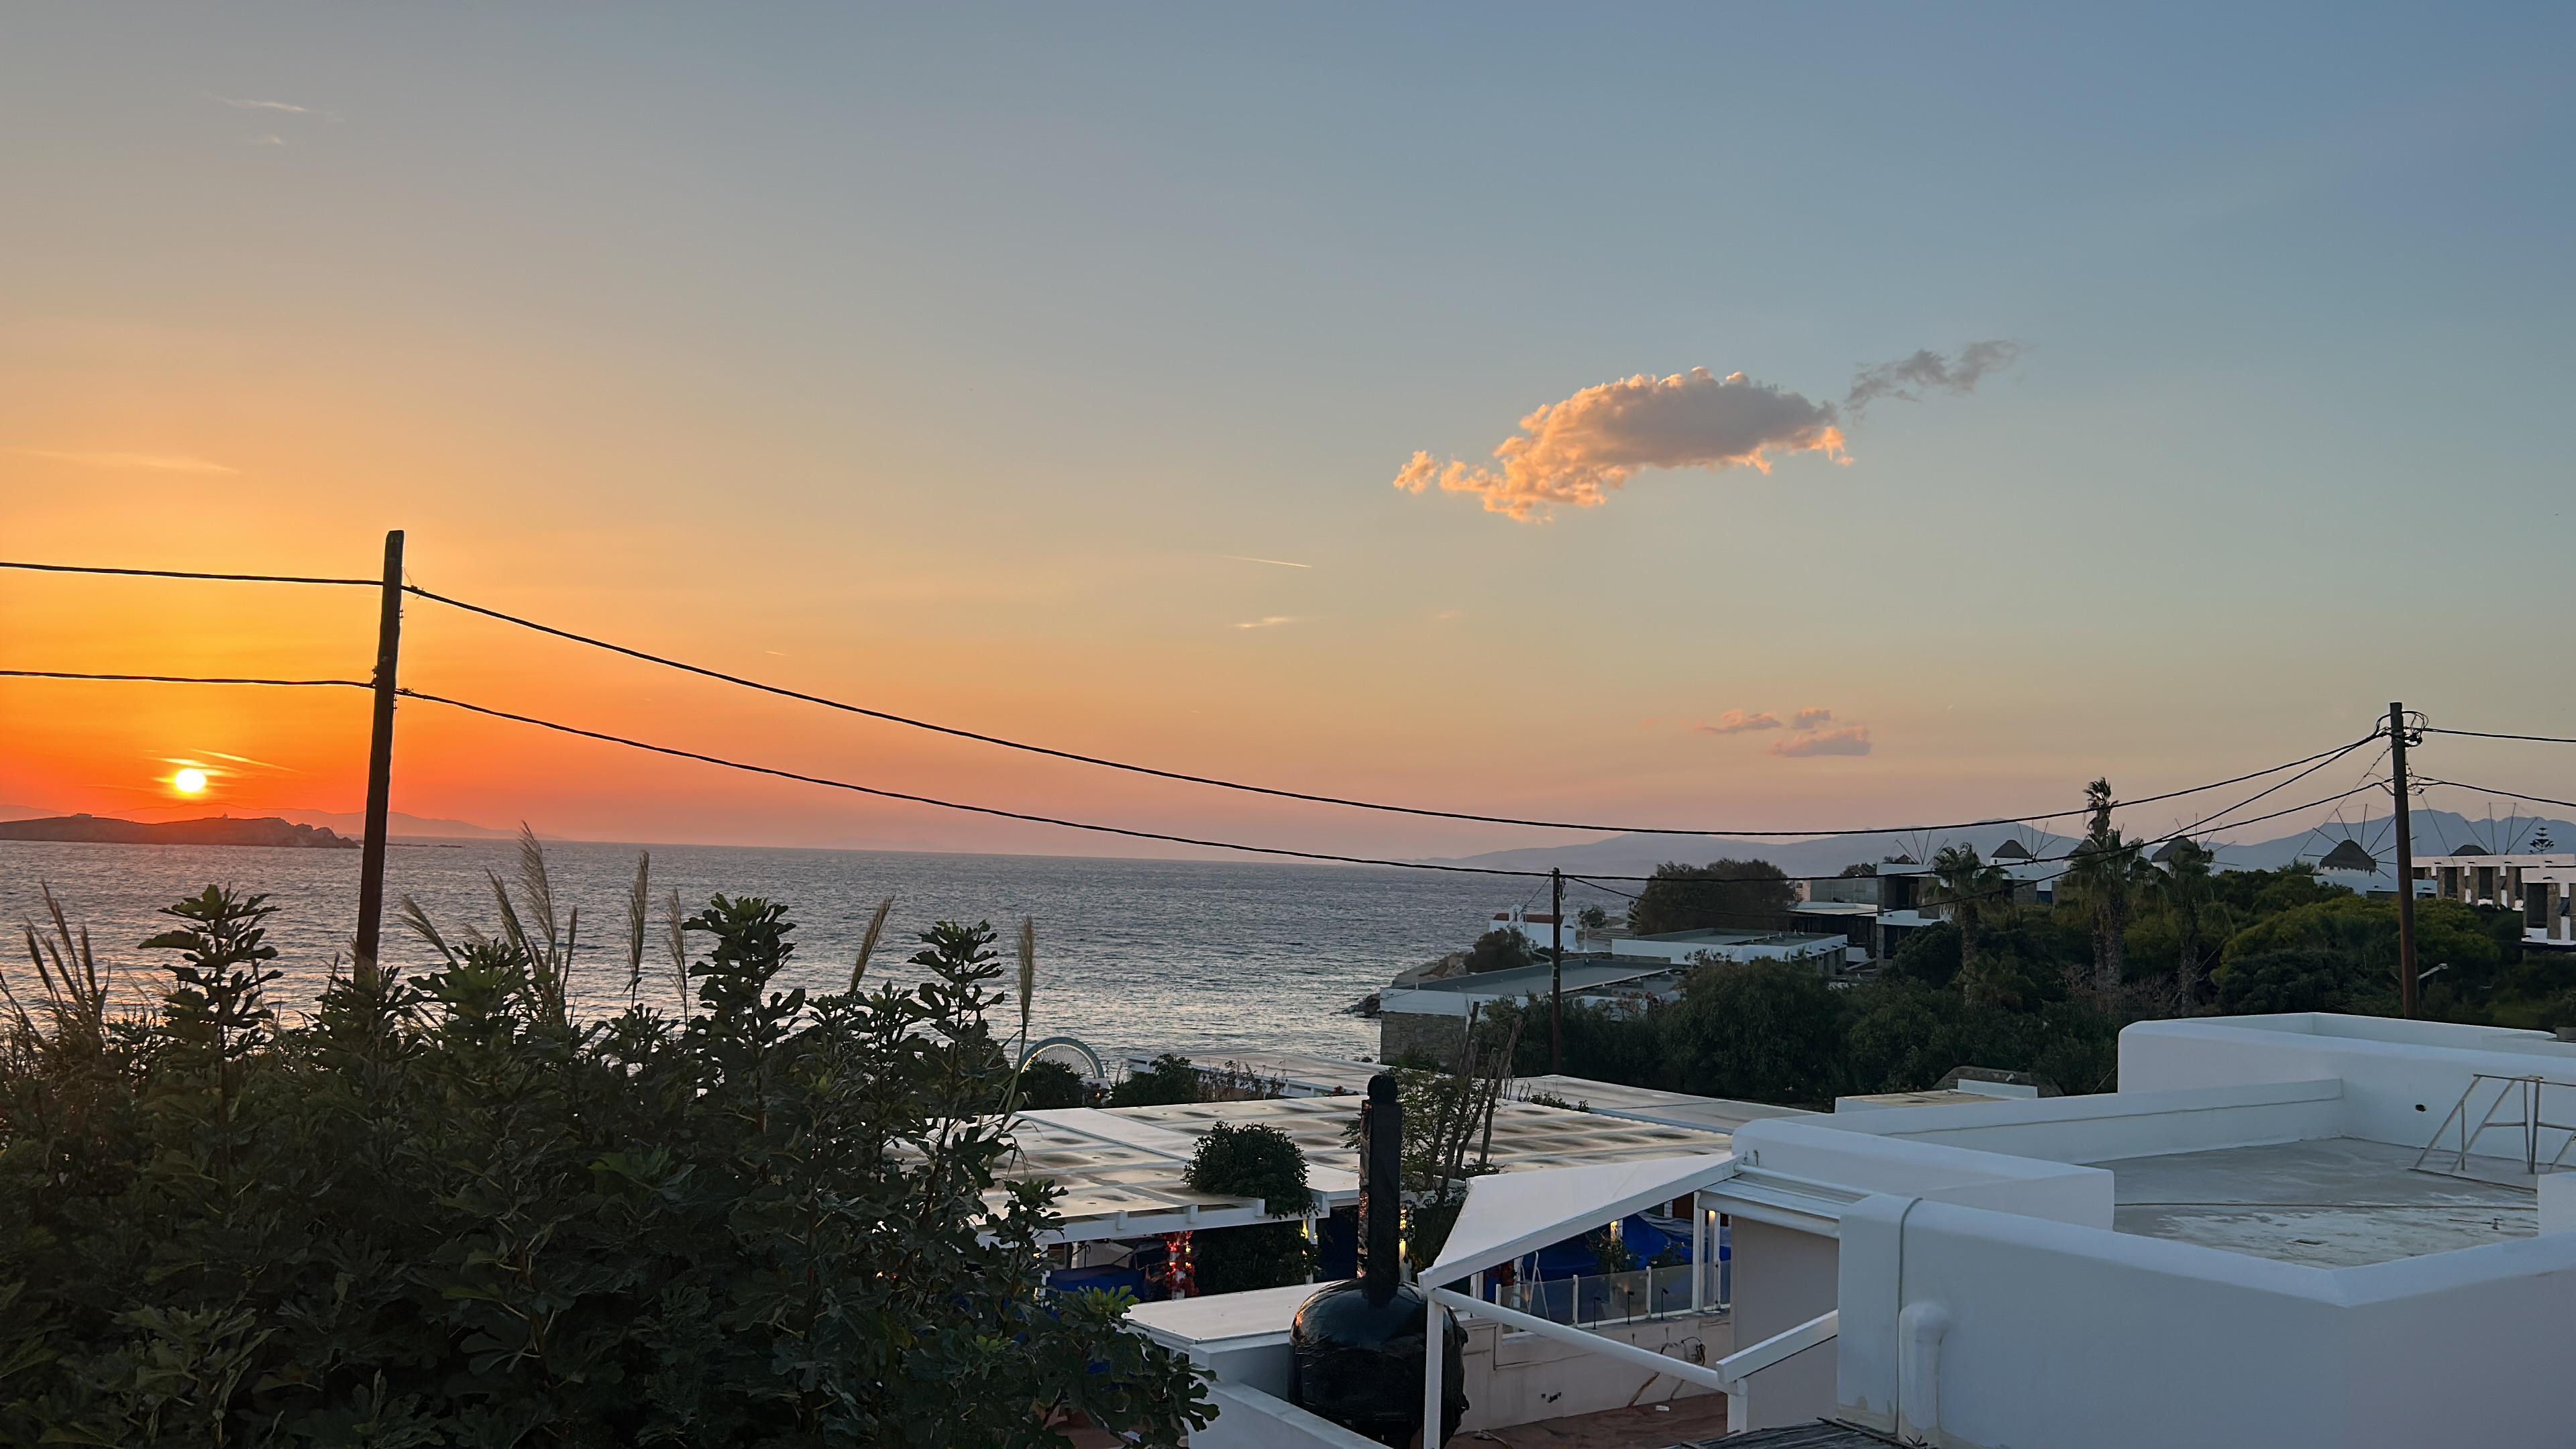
1131, 954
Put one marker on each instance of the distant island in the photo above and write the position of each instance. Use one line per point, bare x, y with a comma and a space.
214, 830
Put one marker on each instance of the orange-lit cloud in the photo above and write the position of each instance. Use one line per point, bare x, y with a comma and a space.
1810, 717
1847, 740
1273, 621
1575, 452
1736, 721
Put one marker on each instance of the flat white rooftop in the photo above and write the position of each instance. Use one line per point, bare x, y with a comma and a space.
2335, 1202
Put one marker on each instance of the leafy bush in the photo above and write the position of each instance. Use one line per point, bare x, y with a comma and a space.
446, 1213
1504, 950
1045, 1084
1252, 1160
1763, 1031
1169, 1082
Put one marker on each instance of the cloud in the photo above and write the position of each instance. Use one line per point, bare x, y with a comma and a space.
1848, 740
1909, 378
1736, 722
1273, 621
1809, 718
1576, 451
156, 462
246, 105
1273, 562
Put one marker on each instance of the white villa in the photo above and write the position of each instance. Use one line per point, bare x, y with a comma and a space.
2539, 885
2282, 1231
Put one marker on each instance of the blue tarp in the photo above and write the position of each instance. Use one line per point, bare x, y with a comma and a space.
1097, 1280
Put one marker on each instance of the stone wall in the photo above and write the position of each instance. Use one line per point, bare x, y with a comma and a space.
1399, 1032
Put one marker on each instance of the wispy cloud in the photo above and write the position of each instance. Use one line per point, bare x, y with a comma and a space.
1848, 740
1273, 621
1279, 563
268, 140
1810, 717
242, 104
1736, 722
155, 462
1575, 453
1909, 378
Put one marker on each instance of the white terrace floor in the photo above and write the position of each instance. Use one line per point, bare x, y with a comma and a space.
2336, 1202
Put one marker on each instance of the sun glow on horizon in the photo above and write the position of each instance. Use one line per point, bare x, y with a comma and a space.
189, 781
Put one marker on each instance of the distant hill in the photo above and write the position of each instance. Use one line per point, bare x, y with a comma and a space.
402, 827
2437, 832
215, 830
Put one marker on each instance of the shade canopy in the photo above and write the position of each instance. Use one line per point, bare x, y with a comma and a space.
1515, 1213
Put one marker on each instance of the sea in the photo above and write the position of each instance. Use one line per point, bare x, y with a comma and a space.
1133, 955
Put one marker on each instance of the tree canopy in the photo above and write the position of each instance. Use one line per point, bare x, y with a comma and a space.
1720, 893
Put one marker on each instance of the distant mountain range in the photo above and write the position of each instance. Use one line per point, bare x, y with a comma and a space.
2437, 832
214, 830
405, 827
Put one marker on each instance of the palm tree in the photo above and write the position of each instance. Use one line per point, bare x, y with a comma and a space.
2104, 874
2183, 888
1966, 885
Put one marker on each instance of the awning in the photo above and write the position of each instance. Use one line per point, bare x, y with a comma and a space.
1512, 1213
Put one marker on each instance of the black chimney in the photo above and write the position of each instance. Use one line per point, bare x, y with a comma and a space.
1359, 1345
1381, 1189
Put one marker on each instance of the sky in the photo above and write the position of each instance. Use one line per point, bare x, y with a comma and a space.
2151, 393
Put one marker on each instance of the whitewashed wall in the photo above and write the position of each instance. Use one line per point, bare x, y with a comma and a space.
1976, 1328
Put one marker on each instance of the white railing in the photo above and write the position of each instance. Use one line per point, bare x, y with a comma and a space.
1593, 1299
2528, 1096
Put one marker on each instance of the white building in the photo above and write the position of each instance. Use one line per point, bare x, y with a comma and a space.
2282, 1231
2541, 886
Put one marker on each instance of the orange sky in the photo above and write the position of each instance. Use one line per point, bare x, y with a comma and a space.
971, 371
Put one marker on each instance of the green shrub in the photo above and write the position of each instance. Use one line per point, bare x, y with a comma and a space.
1252, 1160
445, 1213
1169, 1082
1045, 1084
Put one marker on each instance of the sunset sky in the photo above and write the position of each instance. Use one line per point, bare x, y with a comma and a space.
1051, 371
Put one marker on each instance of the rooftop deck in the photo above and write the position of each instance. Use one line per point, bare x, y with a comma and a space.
2331, 1203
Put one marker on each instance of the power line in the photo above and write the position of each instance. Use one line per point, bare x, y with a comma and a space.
2493, 735
1274, 792
2508, 794
175, 679
1070, 755
186, 574
1058, 821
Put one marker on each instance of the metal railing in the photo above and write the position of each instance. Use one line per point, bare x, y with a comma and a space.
2529, 1098
1593, 1299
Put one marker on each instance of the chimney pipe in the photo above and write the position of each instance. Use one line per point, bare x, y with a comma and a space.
1381, 1190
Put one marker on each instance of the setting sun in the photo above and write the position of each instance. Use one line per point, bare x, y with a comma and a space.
190, 781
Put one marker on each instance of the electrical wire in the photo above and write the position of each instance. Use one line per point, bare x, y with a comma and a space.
1120, 830
1276, 792
2491, 790
51, 568
1049, 751
177, 679
2494, 735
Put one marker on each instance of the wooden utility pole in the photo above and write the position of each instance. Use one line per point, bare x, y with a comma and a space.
380, 766
2406, 982
1556, 974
